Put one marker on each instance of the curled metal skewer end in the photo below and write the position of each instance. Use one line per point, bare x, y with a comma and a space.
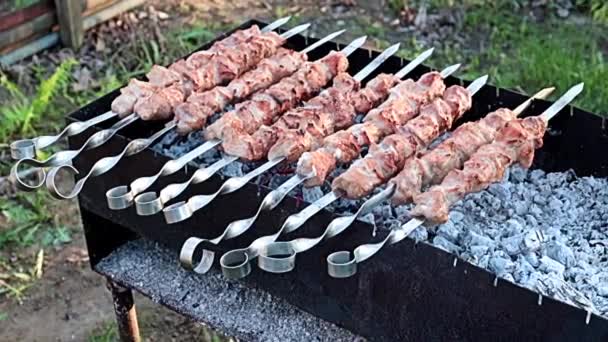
277, 257
341, 264
51, 182
119, 197
23, 184
235, 264
189, 253
177, 212
148, 203
24, 148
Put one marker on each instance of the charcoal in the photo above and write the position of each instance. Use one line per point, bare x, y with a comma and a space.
449, 231
420, 234
549, 265
561, 253
443, 243
312, 194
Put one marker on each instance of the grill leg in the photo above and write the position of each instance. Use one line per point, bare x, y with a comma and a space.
124, 308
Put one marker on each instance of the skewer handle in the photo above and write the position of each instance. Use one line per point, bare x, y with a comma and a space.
279, 257
27, 148
102, 166
342, 264
183, 210
65, 157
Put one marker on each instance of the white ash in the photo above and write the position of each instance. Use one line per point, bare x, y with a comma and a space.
530, 228
543, 231
235, 308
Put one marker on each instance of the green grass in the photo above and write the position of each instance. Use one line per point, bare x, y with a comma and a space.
526, 56
106, 333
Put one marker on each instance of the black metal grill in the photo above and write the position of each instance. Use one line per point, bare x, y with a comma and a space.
423, 296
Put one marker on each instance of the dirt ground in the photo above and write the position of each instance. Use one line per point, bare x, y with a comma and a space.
72, 303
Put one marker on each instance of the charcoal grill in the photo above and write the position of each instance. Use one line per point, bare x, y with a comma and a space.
409, 292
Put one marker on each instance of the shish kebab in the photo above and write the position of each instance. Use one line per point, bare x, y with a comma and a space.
400, 106
270, 70
434, 118
264, 106
26, 148
334, 107
466, 136
514, 141
362, 101
212, 73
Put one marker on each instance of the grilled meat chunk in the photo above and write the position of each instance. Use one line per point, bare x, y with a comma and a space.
384, 160
515, 142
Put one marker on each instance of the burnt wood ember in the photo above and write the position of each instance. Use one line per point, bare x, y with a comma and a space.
408, 292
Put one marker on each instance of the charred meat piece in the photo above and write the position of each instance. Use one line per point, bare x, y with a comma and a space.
515, 142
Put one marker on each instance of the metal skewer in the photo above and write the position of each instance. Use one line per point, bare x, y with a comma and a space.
121, 197
184, 210
26, 148
102, 166
279, 257
149, 203
272, 199
371, 203
275, 197
65, 157
342, 264
236, 263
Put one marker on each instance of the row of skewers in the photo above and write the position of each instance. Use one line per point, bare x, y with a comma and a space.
288, 110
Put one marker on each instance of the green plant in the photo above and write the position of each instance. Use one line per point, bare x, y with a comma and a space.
20, 116
105, 333
29, 218
597, 8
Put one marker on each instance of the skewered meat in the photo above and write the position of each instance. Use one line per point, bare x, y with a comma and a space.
161, 77
385, 159
294, 142
515, 142
218, 70
123, 104
317, 118
449, 155
193, 114
265, 106
344, 146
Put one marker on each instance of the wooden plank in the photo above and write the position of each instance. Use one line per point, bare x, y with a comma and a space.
40, 24
16, 18
69, 15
